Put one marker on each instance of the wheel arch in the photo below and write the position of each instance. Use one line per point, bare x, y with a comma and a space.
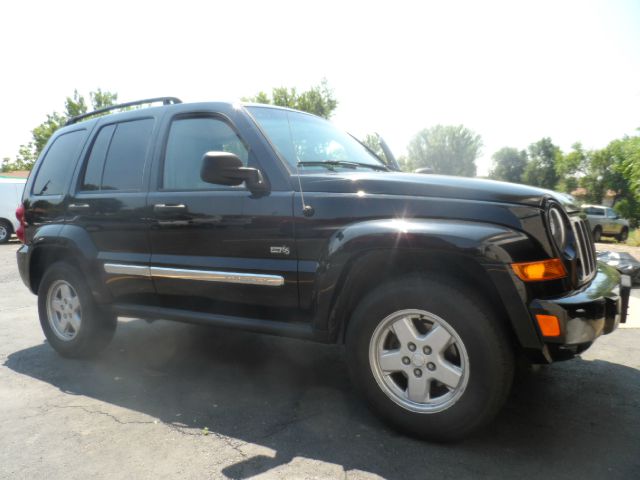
473, 254
71, 245
375, 268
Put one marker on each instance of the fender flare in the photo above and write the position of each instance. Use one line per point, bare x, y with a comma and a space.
74, 243
490, 247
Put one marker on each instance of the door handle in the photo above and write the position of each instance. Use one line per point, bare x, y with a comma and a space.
162, 207
78, 206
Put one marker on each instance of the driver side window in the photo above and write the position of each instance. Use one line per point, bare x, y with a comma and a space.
189, 139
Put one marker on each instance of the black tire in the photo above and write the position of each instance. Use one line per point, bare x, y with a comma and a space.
6, 229
489, 347
623, 235
597, 234
97, 326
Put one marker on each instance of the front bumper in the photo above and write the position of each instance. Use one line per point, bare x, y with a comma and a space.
596, 309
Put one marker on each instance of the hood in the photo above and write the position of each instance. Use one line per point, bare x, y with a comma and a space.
421, 185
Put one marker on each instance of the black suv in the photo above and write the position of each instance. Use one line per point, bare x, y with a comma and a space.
273, 220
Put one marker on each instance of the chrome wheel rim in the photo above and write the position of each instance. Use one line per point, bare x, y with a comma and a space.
4, 231
64, 312
419, 361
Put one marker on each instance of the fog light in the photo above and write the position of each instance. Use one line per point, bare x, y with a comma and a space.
549, 325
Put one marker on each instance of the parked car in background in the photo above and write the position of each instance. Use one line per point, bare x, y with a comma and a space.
10, 197
605, 221
624, 262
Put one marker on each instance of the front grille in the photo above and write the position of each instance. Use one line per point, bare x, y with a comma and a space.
585, 249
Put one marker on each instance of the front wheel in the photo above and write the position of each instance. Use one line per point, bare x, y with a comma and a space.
73, 323
431, 358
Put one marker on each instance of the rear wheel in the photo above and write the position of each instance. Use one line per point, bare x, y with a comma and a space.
431, 358
623, 235
597, 234
73, 323
6, 229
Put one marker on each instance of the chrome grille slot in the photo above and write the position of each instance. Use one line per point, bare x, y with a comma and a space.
585, 249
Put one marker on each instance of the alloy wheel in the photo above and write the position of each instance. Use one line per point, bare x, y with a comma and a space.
419, 361
64, 311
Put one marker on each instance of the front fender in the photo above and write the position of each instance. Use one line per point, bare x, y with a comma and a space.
487, 246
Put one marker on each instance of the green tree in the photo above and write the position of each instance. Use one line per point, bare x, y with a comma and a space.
508, 164
447, 149
23, 161
100, 99
629, 208
630, 151
594, 179
571, 167
372, 141
318, 100
624, 177
541, 168
74, 105
606, 171
403, 162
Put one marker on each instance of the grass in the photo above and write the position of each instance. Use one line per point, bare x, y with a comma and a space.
634, 238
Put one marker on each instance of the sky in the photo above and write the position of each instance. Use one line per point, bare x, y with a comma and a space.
513, 72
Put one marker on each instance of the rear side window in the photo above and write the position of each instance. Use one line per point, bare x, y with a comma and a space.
58, 163
117, 157
189, 139
95, 164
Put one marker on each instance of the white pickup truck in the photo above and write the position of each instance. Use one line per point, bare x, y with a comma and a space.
605, 221
10, 197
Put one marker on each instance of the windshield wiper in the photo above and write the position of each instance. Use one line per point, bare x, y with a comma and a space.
341, 163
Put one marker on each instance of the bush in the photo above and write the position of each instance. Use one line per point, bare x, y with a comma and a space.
629, 209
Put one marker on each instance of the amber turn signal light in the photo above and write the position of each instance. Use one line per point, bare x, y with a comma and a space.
549, 325
542, 270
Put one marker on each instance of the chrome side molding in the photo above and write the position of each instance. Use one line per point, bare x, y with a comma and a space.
197, 275
122, 269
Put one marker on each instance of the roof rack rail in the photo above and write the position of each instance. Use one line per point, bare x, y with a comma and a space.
164, 100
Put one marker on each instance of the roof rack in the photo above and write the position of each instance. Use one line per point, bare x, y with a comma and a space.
164, 100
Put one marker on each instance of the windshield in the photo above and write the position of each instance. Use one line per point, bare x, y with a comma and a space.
307, 141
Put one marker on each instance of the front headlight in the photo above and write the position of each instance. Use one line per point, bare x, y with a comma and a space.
558, 227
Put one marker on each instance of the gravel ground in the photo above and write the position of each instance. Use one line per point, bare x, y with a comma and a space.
177, 401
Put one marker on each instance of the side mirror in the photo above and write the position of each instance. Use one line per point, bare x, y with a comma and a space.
224, 168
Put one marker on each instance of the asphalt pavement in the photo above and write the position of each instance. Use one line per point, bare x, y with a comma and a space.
168, 400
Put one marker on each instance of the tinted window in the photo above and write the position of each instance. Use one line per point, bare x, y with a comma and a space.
126, 155
189, 139
58, 163
95, 163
